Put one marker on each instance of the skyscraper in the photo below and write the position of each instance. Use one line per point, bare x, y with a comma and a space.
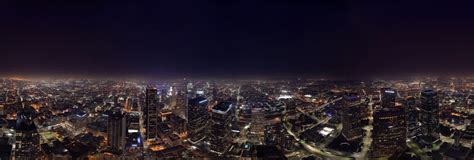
173, 97
151, 112
389, 132
116, 128
351, 117
133, 130
429, 116
411, 116
221, 118
181, 104
198, 115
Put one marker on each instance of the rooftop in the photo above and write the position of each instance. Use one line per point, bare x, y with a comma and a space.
222, 107
388, 90
198, 101
116, 113
428, 92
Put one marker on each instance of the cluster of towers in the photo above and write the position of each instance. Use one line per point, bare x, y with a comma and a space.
393, 119
204, 123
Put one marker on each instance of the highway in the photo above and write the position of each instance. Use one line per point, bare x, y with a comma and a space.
310, 148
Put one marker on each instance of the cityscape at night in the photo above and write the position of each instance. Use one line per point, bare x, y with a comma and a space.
244, 80
416, 118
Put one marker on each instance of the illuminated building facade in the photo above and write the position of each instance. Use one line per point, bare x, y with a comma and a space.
133, 130
151, 112
352, 117
181, 104
411, 116
221, 118
389, 132
116, 128
198, 115
429, 116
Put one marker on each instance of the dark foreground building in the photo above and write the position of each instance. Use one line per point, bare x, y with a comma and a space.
221, 118
5, 148
151, 112
389, 132
116, 129
352, 117
429, 117
261, 152
198, 116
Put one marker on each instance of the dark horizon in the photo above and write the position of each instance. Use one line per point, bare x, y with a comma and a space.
344, 39
166, 78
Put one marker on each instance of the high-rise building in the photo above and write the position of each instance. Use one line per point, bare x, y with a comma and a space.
133, 121
352, 117
389, 127
190, 90
429, 116
178, 124
151, 113
27, 137
128, 104
221, 118
411, 116
173, 97
116, 128
181, 104
133, 130
198, 116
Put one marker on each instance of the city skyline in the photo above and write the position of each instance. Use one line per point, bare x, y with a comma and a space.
243, 80
424, 118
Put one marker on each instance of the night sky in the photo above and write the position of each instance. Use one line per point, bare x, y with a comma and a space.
239, 38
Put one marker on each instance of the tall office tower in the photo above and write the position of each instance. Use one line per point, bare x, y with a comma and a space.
133, 121
116, 128
411, 116
190, 90
163, 96
389, 132
172, 100
181, 104
221, 117
151, 113
134, 105
429, 116
178, 124
27, 137
197, 121
128, 104
352, 117
133, 134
